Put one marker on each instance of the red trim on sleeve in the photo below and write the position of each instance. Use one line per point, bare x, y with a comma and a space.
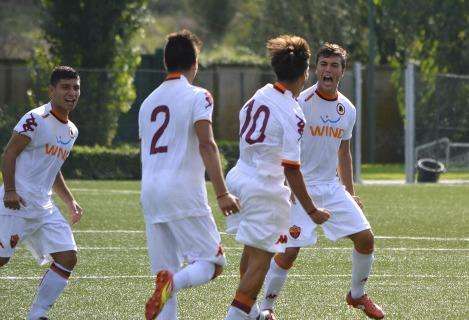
291, 164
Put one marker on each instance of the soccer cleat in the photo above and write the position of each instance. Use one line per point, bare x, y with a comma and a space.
267, 315
163, 291
371, 309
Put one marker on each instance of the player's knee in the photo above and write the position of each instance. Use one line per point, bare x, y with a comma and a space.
365, 242
68, 260
285, 260
218, 271
3, 261
291, 254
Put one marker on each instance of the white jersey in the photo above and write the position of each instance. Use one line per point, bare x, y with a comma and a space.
173, 173
40, 162
329, 123
271, 127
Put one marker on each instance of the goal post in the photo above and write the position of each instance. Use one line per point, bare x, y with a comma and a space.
409, 122
357, 137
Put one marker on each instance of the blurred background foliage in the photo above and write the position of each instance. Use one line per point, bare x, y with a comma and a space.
113, 35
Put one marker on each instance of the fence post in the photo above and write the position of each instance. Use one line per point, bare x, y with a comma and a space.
357, 140
409, 122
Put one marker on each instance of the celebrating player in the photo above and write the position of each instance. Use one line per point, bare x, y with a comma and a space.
327, 168
271, 126
176, 142
38, 147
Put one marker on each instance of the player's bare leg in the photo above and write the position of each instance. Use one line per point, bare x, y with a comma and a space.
277, 276
254, 267
53, 283
362, 260
3, 261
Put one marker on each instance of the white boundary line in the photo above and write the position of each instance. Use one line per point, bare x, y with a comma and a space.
304, 276
101, 191
226, 234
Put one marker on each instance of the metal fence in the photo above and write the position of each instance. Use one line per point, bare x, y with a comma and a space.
437, 119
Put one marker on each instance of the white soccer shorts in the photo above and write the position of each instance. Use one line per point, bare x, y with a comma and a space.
170, 244
45, 235
346, 218
264, 217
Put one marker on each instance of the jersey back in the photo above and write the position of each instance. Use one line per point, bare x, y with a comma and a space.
271, 127
173, 173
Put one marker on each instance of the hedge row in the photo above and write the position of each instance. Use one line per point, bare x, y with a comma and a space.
123, 162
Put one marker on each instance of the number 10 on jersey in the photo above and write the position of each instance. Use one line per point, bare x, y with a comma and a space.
262, 109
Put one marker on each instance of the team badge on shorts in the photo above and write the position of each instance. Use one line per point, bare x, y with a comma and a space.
340, 109
14, 240
295, 231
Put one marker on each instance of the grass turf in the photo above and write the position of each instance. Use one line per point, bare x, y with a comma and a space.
423, 277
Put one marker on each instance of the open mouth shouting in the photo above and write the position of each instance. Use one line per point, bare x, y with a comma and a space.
328, 79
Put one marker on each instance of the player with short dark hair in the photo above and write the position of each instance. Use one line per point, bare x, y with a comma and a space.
177, 146
40, 143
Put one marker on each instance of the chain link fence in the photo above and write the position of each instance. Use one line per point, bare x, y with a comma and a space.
442, 119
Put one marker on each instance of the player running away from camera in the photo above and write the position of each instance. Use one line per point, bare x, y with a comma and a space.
177, 145
39, 145
327, 168
271, 127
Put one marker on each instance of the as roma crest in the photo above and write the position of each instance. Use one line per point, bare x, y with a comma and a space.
340, 109
295, 231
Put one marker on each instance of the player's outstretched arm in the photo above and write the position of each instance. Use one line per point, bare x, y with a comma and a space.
297, 185
15, 146
209, 151
345, 169
64, 193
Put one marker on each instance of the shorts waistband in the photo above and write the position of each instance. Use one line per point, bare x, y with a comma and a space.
245, 168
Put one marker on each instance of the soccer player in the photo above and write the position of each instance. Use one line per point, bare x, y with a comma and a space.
271, 126
39, 145
176, 142
327, 168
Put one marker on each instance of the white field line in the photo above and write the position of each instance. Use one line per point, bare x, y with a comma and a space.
307, 248
303, 276
104, 191
226, 234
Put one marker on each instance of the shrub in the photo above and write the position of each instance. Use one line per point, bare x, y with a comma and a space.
123, 162
98, 162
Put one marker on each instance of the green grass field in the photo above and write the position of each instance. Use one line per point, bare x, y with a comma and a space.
420, 272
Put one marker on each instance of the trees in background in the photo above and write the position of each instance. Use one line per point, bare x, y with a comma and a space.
92, 35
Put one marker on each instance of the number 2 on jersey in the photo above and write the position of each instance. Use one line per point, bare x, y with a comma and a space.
262, 109
153, 148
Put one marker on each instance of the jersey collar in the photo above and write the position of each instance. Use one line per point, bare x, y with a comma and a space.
282, 89
51, 111
327, 97
173, 76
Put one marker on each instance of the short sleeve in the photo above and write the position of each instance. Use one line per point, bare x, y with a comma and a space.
28, 125
348, 132
203, 107
292, 132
